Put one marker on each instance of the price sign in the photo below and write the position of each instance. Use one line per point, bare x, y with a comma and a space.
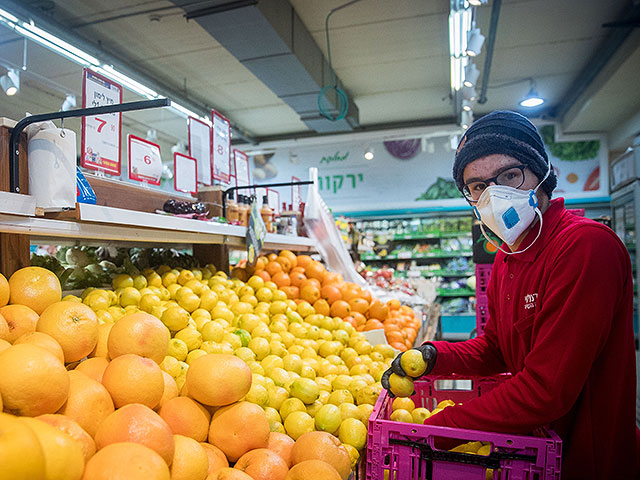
241, 161
221, 147
296, 194
200, 138
185, 177
100, 144
274, 200
145, 162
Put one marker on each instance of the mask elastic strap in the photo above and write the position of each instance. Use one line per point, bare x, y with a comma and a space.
545, 177
518, 251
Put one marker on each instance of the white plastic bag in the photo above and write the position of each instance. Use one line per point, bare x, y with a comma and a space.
321, 227
52, 166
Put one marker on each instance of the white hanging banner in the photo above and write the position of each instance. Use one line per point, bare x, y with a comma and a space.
185, 173
145, 162
241, 162
200, 138
296, 194
100, 139
221, 147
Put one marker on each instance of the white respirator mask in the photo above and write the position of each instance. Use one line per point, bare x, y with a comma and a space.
508, 212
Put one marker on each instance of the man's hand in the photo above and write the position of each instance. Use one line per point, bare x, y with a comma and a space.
429, 354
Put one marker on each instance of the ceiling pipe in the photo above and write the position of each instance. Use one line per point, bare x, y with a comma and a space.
491, 41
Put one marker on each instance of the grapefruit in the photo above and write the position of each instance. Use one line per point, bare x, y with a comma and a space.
35, 287
218, 379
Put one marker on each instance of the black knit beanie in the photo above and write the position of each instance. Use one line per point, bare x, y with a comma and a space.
506, 133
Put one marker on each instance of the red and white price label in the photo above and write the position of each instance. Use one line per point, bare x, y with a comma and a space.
241, 161
221, 147
100, 144
200, 138
185, 173
145, 162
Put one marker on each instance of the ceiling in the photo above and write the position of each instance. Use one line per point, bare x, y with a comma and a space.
391, 57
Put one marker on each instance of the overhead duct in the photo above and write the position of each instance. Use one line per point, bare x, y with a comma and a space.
269, 39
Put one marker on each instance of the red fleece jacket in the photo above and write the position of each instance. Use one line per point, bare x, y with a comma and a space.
561, 323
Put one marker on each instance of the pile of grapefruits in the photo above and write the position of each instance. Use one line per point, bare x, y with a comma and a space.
187, 374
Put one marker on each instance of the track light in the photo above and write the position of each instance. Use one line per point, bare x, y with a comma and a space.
368, 153
467, 105
469, 93
477, 3
532, 99
69, 103
475, 40
10, 82
471, 74
466, 119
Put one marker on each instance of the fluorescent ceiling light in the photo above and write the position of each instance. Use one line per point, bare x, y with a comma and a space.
6, 15
47, 37
477, 3
10, 82
474, 42
471, 74
459, 26
532, 99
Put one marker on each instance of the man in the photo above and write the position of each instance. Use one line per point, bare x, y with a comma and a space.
560, 305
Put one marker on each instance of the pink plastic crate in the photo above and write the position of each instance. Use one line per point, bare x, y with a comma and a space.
482, 316
483, 272
407, 451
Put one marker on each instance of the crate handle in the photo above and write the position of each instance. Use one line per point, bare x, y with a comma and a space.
489, 461
437, 383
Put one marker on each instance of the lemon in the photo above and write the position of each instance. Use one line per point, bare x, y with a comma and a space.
258, 394
244, 337
185, 276
139, 282
130, 296
348, 410
212, 331
255, 282
364, 411
353, 432
116, 312
308, 372
354, 455
279, 376
277, 348
291, 405
356, 384
193, 354
412, 363
270, 362
249, 321
277, 395
400, 386
190, 336
339, 397
148, 302
263, 294
222, 312
71, 298
261, 331
445, 403
190, 302
200, 322
178, 349
278, 306
292, 363
328, 418
435, 411
401, 415
122, 281
304, 309
260, 347
173, 290
305, 389
473, 447
201, 312
403, 403
154, 279
175, 318
420, 414
484, 450
245, 354
171, 366
272, 414
196, 286
298, 423
97, 300
232, 340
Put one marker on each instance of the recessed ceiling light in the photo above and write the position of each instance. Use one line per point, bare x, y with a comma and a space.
532, 99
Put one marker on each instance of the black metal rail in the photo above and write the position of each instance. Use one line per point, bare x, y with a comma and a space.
14, 152
264, 185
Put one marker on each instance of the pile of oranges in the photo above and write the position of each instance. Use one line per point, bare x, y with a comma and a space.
306, 280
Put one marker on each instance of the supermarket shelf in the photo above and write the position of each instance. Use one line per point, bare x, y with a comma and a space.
118, 225
17, 204
462, 292
417, 257
446, 273
425, 236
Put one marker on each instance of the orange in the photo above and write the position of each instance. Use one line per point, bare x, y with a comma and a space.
4, 328
238, 428
322, 307
218, 379
315, 270
282, 444
126, 461
44, 341
217, 459
74, 326
101, 349
261, 262
35, 287
378, 310
297, 278
139, 424
340, 309
332, 278
170, 389
331, 293
262, 464
190, 461
4, 291
88, 402
303, 260
311, 281
32, 380
263, 274
21, 454
366, 294
310, 293
186, 417
75, 431
359, 318
286, 264
20, 320
139, 333
393, 304
272, 268
359, 305
281, 279
131, 378
322, 446
373, 325
93, 367
271, 257
292, 292
398, 346
229, 474
316, 469
291, 256
351, 291
63, 455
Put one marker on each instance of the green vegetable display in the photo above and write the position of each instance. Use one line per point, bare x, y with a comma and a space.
569, 151
441, 188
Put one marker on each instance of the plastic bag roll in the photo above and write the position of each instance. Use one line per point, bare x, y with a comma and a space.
52, 168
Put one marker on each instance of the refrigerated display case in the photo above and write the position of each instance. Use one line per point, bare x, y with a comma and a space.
625, 212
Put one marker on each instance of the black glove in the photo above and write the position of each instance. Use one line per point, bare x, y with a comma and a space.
429, 354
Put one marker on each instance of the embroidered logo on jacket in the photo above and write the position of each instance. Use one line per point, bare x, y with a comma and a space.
530, 301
